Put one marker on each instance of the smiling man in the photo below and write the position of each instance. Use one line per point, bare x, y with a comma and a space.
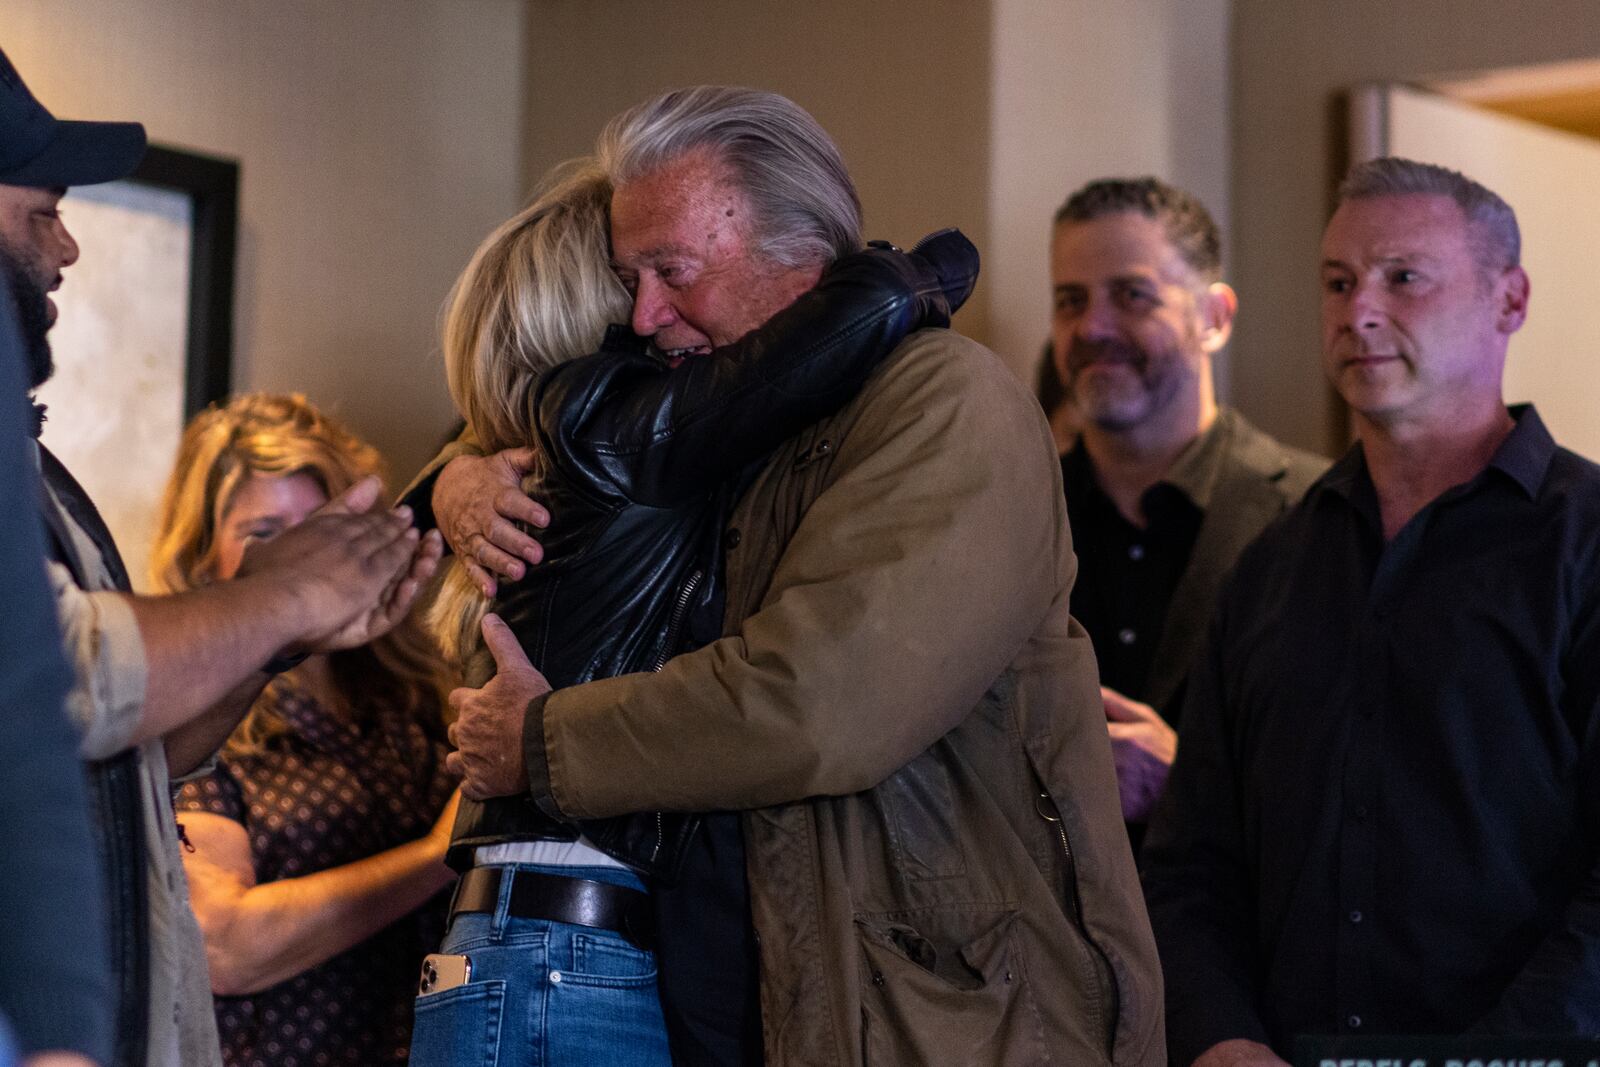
1385, 816
1164, 488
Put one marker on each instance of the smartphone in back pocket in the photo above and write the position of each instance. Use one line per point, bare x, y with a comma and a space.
441, 972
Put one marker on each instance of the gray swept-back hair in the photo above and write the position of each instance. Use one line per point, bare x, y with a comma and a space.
1188, 226
804, 206
1495, 235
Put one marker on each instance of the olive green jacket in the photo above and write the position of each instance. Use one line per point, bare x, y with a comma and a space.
899, 683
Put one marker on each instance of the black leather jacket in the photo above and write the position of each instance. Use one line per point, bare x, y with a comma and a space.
640, 465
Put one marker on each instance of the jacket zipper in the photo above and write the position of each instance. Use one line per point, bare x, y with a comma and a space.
1048, 811
679, 611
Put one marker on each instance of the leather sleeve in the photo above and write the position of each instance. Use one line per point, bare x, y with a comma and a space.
629, 426
911, 582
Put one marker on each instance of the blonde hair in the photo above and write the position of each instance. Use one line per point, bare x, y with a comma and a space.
280, 435
539, 291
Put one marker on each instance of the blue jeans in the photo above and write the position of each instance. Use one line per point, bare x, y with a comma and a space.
544, 994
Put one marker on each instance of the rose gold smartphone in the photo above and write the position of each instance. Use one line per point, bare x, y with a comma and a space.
441, 972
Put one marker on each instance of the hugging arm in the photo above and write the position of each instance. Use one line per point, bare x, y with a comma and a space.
648, 432
911, 582
633, 427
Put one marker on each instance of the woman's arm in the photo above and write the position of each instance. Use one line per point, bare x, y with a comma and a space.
259, 935
630, 425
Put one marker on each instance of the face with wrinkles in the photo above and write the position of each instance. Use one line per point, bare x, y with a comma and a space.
680, 239
1414, 325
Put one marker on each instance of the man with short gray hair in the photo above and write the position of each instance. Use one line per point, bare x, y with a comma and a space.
900, 709
1385, 813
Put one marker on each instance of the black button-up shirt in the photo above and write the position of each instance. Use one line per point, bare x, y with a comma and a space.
1127, 573
1385, 812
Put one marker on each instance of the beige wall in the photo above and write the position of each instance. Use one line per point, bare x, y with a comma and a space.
949, 112
902, 86
1292, 59
377, 145
380, 140
1085, 90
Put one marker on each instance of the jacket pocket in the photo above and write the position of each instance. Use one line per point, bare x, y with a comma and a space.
946, 986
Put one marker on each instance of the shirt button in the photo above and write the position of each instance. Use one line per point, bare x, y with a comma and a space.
1361, 811
1354, 1021
1136, 552
734, 537
1356, 916
1127, 636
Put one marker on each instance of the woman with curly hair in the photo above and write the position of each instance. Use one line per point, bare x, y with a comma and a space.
315, 847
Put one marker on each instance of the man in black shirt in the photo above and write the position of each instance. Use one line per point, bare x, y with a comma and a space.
1163, 488
1385, 814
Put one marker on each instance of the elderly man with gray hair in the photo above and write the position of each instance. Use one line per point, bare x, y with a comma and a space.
1385, 813
920, 857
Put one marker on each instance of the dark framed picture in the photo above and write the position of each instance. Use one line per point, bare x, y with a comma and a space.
144, 338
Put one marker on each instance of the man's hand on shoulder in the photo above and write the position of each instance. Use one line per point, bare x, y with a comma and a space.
487, 732
350, 573
477, 502
1239, 1053
1143, 747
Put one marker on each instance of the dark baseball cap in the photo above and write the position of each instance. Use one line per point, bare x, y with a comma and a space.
36, 148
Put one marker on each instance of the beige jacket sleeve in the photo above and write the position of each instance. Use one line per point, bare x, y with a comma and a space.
935, 547
419, 494
102, 642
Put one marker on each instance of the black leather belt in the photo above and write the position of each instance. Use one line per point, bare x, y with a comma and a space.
536, 895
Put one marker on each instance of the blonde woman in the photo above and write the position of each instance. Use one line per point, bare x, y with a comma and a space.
315, 848
636, 455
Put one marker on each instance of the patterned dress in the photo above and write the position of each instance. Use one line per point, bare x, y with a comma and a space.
325, 794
